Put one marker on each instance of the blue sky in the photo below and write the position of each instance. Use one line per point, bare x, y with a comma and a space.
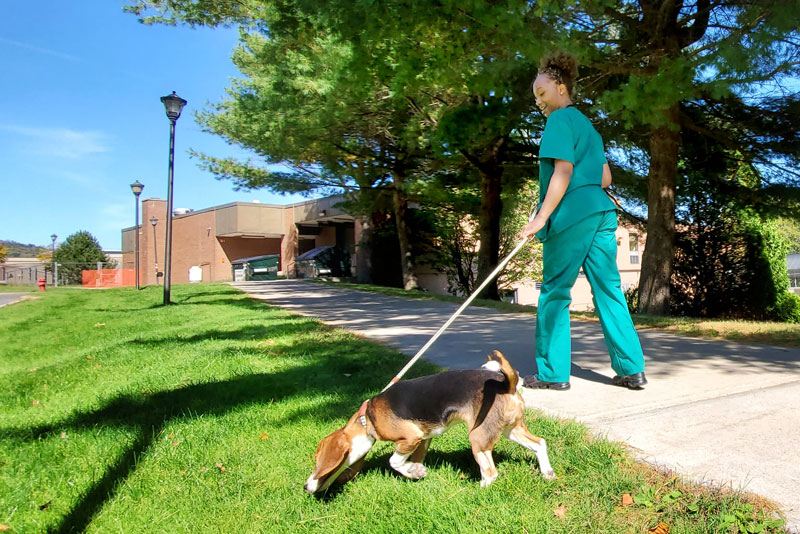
81, 118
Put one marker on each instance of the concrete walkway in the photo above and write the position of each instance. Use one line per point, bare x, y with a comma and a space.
716, 412
11, 298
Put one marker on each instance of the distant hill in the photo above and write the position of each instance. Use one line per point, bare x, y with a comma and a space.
18, 250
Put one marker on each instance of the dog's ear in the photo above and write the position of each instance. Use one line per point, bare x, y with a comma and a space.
332, 451
351, 472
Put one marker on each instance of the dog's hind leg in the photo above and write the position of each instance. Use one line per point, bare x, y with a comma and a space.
520, 434
405, 449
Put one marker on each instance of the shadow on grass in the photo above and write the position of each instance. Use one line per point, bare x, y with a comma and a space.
461, 461
288, 326
321, 372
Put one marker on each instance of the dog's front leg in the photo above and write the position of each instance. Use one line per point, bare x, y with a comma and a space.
418, 456
486, 464
400, 459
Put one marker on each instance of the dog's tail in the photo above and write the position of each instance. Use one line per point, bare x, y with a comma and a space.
512, 377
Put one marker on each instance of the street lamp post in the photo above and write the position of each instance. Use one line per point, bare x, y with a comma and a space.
136, 187
53, 260
154, 222
173, 105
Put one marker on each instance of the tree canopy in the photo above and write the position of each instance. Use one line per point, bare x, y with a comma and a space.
414, 97
80, 251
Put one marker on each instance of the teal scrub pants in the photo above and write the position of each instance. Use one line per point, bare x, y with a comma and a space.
590, 243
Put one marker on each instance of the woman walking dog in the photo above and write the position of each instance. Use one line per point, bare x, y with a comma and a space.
576, 223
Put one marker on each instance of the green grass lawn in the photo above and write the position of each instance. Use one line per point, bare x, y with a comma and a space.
121, 415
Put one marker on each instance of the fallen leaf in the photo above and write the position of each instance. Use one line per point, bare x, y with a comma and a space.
661, 528
176, 443
89, 357
63, 435
264, 436
99, 324
33, 370
220, 467
627, 500
35, 402
97, 366
560, 512
348, 375
45, 505
4, 527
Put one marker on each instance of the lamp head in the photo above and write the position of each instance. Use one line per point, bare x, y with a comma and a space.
137, 187
173, 104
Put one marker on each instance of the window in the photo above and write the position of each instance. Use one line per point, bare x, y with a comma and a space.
633, 247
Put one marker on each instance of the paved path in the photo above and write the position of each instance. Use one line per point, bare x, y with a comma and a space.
714, 411
11, 298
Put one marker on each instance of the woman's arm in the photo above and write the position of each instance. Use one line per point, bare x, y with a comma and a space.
606, 176
555, 192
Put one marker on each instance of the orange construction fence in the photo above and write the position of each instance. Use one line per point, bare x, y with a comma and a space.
108, 278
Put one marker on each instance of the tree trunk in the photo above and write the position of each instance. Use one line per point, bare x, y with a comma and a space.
489, 228
400, 203
654, 284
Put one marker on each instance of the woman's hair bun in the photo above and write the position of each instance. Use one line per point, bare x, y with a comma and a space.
560, 66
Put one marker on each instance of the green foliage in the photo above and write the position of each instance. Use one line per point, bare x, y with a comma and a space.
790, 230
518, 206
19, 250
787, 308
632, 298
731, 264
424, 90
80, 251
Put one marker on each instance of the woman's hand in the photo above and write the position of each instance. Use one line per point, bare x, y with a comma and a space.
532, 227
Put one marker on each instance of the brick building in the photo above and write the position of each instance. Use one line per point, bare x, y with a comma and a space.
212, 238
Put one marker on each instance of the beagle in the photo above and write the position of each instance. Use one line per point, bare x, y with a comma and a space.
412, 412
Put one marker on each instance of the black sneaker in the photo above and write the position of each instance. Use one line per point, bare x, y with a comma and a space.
635, 381
533, 382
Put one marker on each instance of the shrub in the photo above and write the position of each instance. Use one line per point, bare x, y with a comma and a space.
787, 308
632, 298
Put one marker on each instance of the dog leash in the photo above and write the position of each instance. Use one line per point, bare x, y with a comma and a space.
453, 317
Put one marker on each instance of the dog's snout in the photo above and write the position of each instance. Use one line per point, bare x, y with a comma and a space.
311, 484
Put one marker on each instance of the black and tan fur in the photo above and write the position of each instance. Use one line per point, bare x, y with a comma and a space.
412, 412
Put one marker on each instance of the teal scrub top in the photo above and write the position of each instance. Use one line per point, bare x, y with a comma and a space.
569, 135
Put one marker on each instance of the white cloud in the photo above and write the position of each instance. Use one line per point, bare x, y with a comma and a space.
61, 142
40, 49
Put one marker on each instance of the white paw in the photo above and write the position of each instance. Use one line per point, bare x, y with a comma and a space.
549, 474
417, 471
486, 481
